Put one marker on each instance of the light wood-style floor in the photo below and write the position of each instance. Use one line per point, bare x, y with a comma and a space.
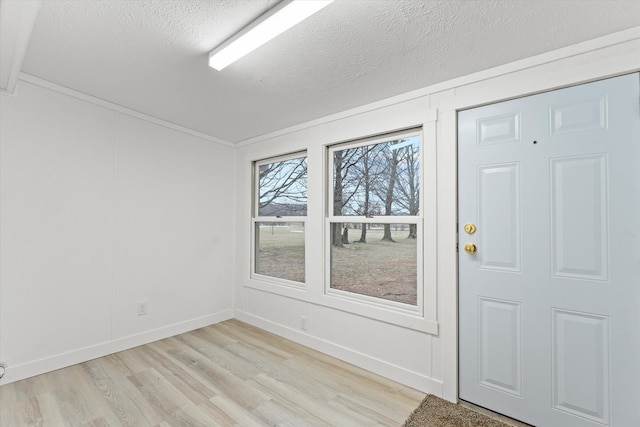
228, 374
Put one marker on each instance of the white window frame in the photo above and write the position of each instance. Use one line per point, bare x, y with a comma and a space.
378, 219
422, 316
256, 218
315, 145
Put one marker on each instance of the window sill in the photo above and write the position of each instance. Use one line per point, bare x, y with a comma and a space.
406, 318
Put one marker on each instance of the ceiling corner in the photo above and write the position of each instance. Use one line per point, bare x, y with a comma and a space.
17, 19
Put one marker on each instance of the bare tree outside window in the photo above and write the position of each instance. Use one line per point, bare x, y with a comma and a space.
407, 194
377, 181
279, 226
346, 185
283, 188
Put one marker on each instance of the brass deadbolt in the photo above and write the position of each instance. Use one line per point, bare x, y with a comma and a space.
470, 228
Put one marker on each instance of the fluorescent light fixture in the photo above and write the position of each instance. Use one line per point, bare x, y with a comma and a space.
277, 20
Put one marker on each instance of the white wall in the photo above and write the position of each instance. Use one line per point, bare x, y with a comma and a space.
421, 359
100, 210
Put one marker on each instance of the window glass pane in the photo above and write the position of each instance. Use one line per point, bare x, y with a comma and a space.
282, 188
381, 179
378, 260
280, 250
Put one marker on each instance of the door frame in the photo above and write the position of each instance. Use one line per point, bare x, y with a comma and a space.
617, 55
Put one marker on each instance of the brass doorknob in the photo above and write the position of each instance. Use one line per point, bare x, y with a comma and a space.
470, 248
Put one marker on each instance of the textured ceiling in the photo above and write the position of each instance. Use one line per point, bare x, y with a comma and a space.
151, 55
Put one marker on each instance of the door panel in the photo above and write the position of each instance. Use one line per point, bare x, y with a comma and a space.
499, 217
578, 116
550, 302
579, 218
499, 129
581, 373
501, 345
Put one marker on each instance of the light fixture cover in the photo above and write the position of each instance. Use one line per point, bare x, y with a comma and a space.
277, 20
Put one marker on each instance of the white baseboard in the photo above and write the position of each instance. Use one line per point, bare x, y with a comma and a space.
41, 366
396, 373
404, 376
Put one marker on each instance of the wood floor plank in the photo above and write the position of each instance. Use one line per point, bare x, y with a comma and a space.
313, 410
359, 419
71, 407
156, 390
125, 401
286, 414
230, 374
226, 360
235, 411
130, 360
190, 415
216, 415
99, 422
382, 411
9, 399
49, 410
180, 378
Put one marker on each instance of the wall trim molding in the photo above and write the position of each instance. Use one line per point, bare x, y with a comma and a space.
512, 67
17, 22
396, 373
59, 361
119, 108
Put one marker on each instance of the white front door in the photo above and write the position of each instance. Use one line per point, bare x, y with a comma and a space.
550, 302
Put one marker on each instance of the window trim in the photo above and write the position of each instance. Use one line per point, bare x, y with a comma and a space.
330, 218
314, 144
256, 218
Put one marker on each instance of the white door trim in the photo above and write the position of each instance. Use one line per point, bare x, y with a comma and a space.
602, 62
